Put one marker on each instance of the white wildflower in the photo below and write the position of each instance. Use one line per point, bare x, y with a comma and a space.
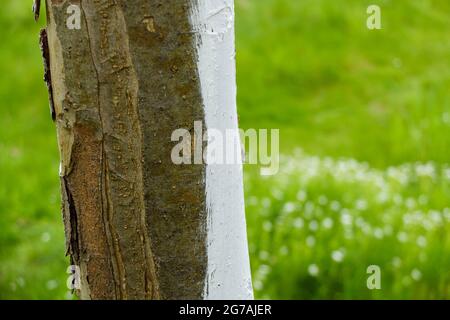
402, 236
361, 205
263, 255
253, 201
52, 284
421, 241
46, 237
266, 202
337, 256
299, 223
267, 226
396, 262
335, 206
258, 285
378, 233
346, 218
323, 200
289, 207
423, 199
313, 225
310, 241
327, 223
416, 274
301, 196
411, 203
313, 270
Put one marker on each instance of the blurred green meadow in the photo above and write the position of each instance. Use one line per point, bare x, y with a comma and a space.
364, 119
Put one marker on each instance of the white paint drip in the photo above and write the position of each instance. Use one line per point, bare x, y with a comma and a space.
228, 275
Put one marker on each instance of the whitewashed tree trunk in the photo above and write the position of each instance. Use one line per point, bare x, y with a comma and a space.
121, 81
228, 260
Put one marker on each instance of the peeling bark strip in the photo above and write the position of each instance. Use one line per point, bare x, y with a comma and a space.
36, 9
138, 225
43, 42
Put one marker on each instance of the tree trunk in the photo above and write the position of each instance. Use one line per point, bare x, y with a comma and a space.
138, 225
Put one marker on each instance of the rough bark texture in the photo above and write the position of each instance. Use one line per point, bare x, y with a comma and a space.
135, 222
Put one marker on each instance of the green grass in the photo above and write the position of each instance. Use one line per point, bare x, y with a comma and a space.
318, 225
313, 69
370, 111
337, 89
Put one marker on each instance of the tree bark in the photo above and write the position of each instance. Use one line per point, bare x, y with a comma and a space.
137, 225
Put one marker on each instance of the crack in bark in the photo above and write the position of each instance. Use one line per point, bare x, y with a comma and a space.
43, 43
74, 240
150, 281
116, 263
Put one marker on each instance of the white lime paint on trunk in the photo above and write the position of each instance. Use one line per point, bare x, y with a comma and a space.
228, 275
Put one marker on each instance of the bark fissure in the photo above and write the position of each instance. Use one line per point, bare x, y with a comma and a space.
74, 237
43, 42
120, 276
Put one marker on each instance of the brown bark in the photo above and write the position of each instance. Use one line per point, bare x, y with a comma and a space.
134, 221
